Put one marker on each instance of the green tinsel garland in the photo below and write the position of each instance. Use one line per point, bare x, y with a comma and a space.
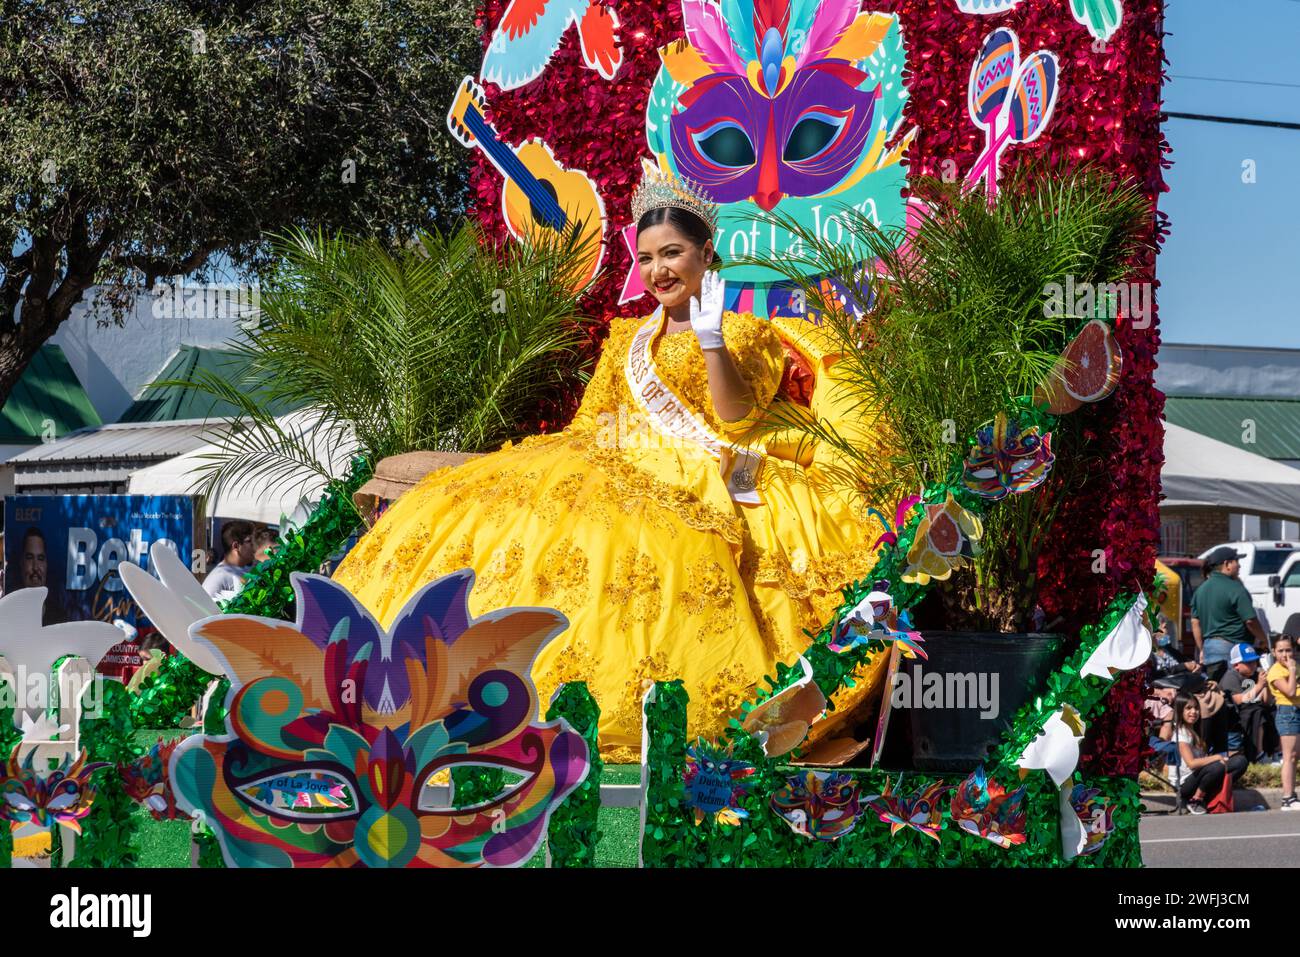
672, 839
572, 834
9, 738
474, 785
214, 721
167, 696
209, 849
665, 808
1065, 686
108, 831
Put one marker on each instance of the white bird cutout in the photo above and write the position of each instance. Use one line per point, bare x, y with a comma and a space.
174, 603
26, 643
1127, 646
1056, 749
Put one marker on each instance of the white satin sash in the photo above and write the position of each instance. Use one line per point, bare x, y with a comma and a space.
670, 416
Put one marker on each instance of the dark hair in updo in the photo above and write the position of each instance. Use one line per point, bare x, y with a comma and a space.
694, 228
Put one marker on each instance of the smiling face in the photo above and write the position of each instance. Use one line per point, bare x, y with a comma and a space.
671, 263
35, 562
1191, 712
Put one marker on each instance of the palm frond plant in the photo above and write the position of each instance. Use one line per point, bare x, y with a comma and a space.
448, 344
943, 332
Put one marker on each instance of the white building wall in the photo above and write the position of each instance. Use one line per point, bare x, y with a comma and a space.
1228, 370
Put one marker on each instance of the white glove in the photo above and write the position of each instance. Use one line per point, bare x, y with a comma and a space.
706, 312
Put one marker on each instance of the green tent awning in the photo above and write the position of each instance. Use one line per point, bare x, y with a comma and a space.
48, 392
1267, 427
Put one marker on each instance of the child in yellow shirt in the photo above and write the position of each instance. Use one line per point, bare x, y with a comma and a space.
1282, 682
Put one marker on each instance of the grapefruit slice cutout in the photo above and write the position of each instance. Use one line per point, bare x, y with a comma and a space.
1088, 370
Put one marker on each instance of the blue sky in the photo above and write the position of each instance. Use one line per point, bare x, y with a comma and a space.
1229, 270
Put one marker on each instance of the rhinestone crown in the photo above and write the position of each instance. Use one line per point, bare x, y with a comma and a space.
659, 188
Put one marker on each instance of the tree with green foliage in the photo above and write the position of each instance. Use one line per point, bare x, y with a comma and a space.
152, 139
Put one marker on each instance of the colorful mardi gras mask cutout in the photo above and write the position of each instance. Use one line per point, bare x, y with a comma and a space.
1007, 458
983, 807
1092, 824
715, 781
337, 729
921, 811
62, 796
773, 97
146, 782
823, 805
875, 618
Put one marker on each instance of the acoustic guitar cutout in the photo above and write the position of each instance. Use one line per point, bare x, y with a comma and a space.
540, 195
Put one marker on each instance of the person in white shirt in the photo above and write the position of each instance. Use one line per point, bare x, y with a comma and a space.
225, 580
1201, 773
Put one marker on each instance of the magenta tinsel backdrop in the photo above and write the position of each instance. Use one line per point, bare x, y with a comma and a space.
1107, 112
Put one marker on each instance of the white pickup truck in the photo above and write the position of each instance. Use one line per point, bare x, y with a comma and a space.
1283, 598
1260, 561
1264, 572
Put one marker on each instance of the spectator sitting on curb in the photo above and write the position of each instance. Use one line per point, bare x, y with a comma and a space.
1160, 730
1160, 717
1247, 702
1202, 773
1167, 659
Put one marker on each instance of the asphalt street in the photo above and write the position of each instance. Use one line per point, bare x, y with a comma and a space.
1244, 839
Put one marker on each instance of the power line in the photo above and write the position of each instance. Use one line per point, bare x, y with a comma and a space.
1224, 79
1236, 120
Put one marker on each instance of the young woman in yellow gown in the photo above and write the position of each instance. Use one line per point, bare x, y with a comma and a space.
665, 566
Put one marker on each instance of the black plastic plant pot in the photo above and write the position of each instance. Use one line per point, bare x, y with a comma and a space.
960, 702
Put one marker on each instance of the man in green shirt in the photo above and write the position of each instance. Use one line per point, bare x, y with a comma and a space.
1222, 612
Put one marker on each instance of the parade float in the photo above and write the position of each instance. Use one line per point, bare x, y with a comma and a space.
320, 736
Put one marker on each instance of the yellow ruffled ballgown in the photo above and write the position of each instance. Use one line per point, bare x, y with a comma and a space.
636, 539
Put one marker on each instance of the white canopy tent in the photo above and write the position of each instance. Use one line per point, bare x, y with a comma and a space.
256, 498
1204, 472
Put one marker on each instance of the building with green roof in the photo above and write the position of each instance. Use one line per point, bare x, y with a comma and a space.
159, 402
1247, 397
47, 403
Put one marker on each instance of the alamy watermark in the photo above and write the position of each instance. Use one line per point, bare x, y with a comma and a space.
133, 912
959, 690
1103, 300
179, 299
630, 428
38, 691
